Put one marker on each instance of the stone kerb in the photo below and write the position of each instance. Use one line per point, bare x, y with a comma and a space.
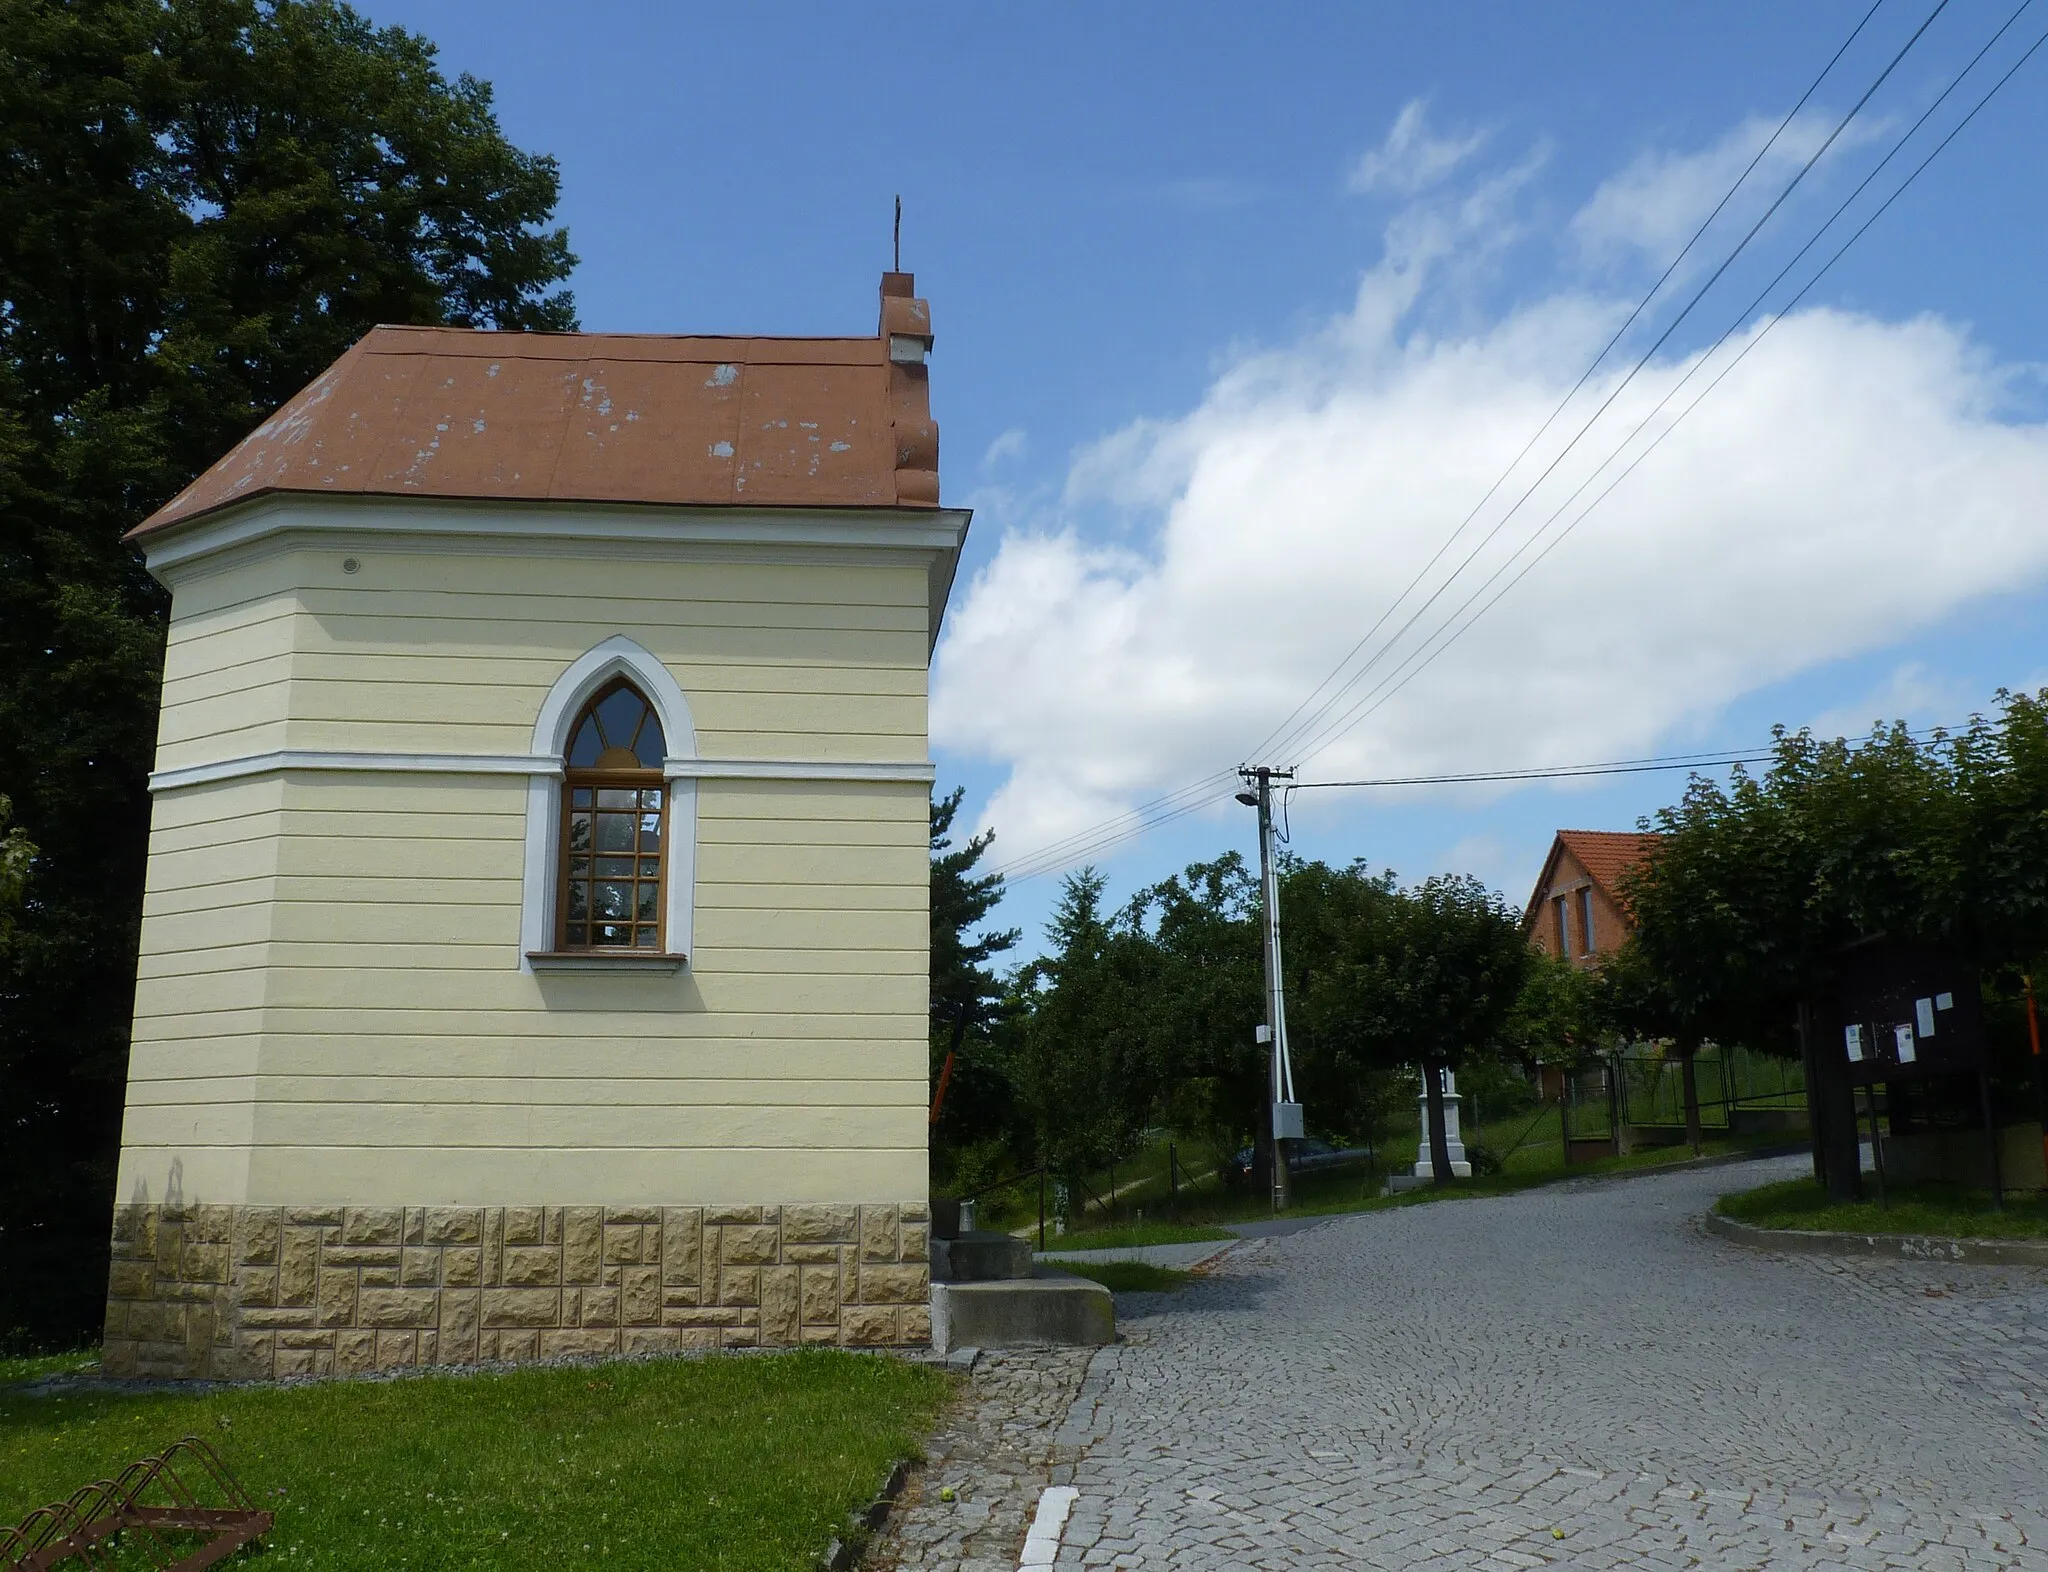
1904, 1247
253, 1293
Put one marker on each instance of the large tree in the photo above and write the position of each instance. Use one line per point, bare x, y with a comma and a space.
202, 204
966, 996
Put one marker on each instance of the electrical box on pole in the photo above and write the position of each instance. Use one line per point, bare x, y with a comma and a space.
1286, 1112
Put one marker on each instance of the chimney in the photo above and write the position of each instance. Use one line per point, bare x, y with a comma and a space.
906, 332
906, 320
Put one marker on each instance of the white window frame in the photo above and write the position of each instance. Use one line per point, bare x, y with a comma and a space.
618, 656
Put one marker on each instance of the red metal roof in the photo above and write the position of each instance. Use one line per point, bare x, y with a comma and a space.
603, 417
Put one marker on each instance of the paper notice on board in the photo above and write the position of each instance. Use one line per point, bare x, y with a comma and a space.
1903, 1037
1944, 1001
1852, 1037
1923, 1016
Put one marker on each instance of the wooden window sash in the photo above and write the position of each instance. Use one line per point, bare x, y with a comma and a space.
618, 780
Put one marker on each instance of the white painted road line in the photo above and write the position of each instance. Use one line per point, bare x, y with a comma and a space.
1042, 1544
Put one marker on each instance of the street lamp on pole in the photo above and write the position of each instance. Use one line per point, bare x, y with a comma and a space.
1286, 1112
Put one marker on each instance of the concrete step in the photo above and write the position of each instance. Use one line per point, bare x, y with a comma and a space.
1052, 1308
980, 1257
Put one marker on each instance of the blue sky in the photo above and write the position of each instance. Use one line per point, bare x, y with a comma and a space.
1240, 312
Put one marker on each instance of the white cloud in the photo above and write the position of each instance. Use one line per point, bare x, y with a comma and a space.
1411, 159
1850, 484
1009, 445
1661, 198
1912, 694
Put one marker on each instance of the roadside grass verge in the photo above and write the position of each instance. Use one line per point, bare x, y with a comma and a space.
34, 1367
1129, 1235
1947, 1211
735, 1463
1127, 1277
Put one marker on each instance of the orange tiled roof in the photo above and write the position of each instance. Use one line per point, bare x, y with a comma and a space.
1607, 854
603, 417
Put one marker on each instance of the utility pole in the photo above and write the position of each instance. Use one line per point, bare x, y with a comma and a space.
1286, 1112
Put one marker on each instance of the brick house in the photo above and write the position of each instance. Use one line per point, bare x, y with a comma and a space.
1576, 909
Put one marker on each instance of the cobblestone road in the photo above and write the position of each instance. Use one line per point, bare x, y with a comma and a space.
1578, 1376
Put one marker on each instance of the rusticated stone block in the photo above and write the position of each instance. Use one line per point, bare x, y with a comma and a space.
314, 1216
818, 1293
818, 1336
378, 1277
131, 1279
740, 1285
116, 1323
487, 1346
298, 1267
682, 1245
819, 1224
732, 1214
462, 1267
651, 1340
779, 1319
258, 1231
582, 1243
749, 1246
372, 1225
310, 1339
625, 1246
337, 1298
459, 1316
429, 1348
419, 1268
551, 1225
396, 1307
119, 1358
170, 1248
519, 1348
712, 1315
811, 1255
453, 1225
868, 1325
894, 1285
132, 1222
256, 1285
211, 1224
600, 1307
525, 1225
878, 1234
640, 1302
740, 1337
915, 1212
395, 1350
579, 1343
916, 1243
355, 1352
297, 1362
522, 1307
205, 1263
255, 1355
293, 1316
528, 1266
632, 1214
914, 1324
358, 1255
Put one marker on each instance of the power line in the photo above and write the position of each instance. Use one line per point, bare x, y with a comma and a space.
1410, 668
1292, 737
1584, 376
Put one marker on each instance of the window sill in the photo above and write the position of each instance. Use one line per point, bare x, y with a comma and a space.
604, 961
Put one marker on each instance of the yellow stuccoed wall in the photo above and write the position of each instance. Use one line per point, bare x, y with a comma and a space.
334, 1036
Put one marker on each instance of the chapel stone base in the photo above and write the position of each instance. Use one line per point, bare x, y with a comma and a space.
264, 1292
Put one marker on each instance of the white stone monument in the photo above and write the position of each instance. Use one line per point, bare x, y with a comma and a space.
1425, 1166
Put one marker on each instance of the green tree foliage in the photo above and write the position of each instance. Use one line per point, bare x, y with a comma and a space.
978, 1115
17, 856
1087, 1061
202, 204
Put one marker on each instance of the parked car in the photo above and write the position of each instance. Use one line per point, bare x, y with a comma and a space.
1303, 1157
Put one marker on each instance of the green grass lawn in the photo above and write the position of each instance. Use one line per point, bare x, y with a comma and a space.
1126, 1235
1127, 1277
1949, 1211
730, 1463
35, 1366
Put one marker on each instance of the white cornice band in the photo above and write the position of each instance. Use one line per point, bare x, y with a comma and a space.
530, 765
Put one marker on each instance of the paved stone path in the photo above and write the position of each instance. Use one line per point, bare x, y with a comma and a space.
1578, 1375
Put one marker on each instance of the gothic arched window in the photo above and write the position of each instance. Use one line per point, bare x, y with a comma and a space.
614, 826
